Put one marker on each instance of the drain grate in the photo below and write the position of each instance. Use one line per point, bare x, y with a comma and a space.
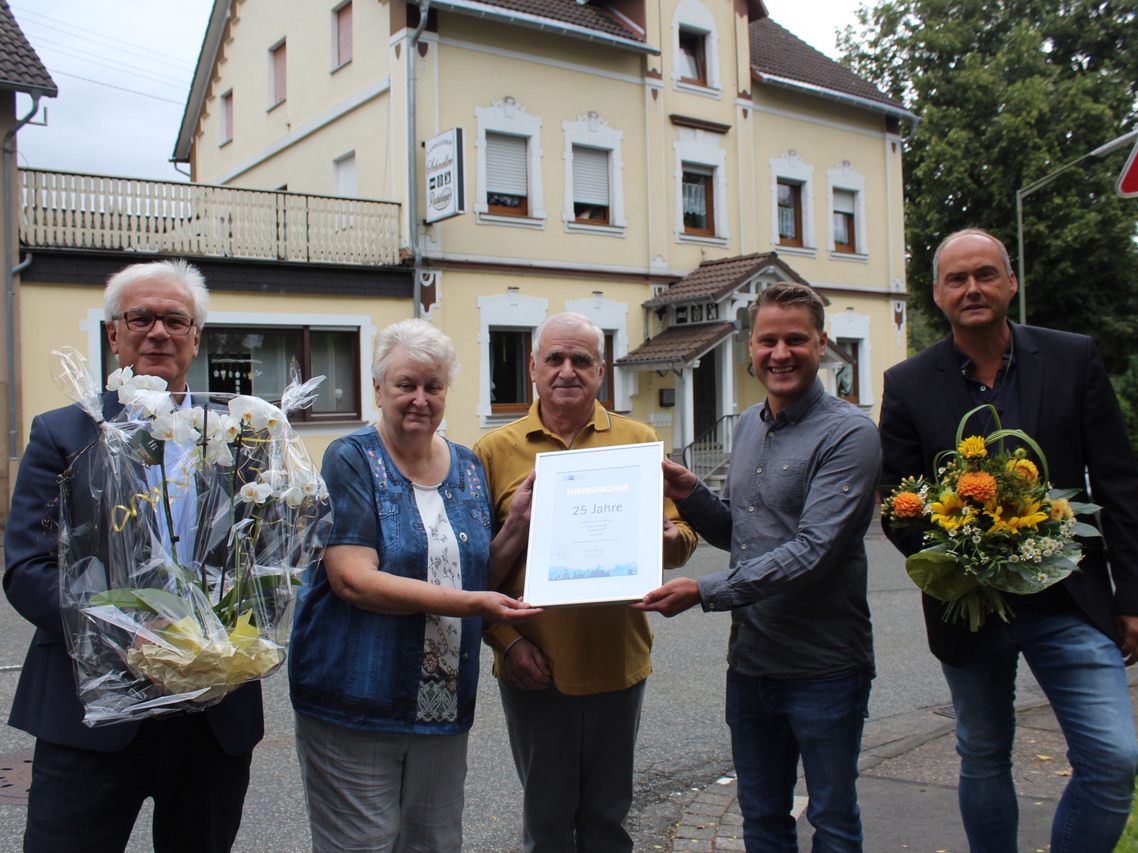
15, 777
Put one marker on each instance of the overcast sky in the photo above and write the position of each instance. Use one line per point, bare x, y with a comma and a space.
123, 68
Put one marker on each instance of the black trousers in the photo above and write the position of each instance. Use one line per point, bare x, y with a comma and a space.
88, 801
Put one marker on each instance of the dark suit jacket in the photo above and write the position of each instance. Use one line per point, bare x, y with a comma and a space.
1067, 404
46, 702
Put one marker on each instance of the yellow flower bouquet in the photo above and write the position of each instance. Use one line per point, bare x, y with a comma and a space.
991, 524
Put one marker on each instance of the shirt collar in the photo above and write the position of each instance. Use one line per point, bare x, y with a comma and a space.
796, 410
600, 421
965, 361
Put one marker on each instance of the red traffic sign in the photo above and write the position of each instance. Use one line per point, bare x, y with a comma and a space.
1128, 180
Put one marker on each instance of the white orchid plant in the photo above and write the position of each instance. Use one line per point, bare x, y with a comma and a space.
178, 569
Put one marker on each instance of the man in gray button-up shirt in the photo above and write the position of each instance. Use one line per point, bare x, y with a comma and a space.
798, 500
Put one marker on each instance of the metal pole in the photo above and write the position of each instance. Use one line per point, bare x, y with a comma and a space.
1021, 276
413, 163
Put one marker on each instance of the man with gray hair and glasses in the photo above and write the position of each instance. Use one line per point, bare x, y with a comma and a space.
88, 784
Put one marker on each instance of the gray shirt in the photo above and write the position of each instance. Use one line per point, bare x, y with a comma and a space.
798, 500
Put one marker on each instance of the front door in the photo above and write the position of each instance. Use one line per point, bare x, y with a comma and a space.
705, 393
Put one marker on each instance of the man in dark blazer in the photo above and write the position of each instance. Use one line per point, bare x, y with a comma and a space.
89, 783
1079, 635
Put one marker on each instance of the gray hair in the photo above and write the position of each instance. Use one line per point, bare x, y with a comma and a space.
971, 232
569, 320
423, 344
184, 275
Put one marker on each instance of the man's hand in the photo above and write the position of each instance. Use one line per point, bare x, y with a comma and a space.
526, 666
674, 597
679, 482
1128, 637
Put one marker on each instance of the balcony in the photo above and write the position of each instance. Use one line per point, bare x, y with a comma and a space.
66, 210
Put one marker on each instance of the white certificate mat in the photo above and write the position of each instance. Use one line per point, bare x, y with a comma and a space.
596, 525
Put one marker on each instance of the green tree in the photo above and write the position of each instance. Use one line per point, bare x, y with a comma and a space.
1006, 92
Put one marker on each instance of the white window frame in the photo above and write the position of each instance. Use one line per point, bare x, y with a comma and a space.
339, 170
505, 310
225, 116
509, 117
611, 317
693, 16
277, 98
592, 131
700, 148
850, 325
790, 167
337, 61
845, 177
365, 327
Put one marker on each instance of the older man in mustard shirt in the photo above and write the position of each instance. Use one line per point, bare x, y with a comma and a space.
572, 679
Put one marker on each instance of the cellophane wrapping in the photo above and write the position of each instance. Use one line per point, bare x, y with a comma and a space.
156, 626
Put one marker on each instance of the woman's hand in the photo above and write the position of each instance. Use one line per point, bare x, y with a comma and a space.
501, 608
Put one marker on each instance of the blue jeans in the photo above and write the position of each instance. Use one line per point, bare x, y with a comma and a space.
1081, 671
773, 723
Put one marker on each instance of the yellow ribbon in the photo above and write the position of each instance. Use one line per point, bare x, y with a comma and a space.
152, 497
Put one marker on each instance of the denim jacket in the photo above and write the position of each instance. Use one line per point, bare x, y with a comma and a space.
359, 669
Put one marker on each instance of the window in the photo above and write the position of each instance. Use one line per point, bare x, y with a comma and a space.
789, 214
698, 200
792, 204
277, 75
506, 186
847, 376
590, 185
594, 169
692, 57
508, 178
344, 175
606, 393
342, 35
227, 117
510, 387
845, 233
257, 360
695, 48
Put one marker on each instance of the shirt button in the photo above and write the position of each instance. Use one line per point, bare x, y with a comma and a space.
983, 387
711, 605
462, 536
785, 467
846, 487
447, 493
759, 470
743, 547
750, 509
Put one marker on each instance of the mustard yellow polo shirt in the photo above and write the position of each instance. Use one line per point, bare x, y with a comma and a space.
590, 649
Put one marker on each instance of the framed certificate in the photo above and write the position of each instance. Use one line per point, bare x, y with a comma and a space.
596, 525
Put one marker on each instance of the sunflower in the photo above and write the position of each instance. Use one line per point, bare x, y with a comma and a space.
950, 512
1061, 510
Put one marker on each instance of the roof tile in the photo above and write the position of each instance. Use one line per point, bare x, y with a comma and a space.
20, 67
778, 52
678, 344
591, 16
712, 280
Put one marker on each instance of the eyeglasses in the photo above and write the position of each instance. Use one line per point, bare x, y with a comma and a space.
139, 320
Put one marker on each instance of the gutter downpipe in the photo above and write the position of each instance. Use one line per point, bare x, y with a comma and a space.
413, 163
11, 270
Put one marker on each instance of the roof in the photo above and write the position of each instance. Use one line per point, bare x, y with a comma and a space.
566, 17
780, 58
21, 69
677, 345
713, 280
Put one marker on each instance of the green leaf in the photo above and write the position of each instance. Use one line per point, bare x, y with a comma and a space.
1088, 531
939, 575
160, 601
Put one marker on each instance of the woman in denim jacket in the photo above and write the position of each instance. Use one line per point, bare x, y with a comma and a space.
384, 660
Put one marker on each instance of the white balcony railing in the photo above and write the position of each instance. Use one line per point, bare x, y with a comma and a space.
66, 210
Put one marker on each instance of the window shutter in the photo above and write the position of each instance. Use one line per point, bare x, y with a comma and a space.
506, 164
590, 176
843, 201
